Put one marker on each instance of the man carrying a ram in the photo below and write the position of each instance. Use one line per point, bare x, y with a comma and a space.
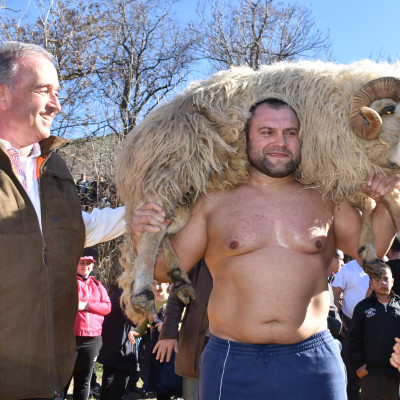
268, 244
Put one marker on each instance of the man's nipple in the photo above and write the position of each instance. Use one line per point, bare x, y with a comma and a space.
318, 244
234, 245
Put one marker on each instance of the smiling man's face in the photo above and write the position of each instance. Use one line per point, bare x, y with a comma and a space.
272, 143
32, 103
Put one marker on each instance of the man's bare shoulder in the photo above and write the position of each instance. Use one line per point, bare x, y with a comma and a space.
211, 200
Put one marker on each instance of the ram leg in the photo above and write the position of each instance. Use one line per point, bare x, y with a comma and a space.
182, 285
366, 249
142, 297
392, 203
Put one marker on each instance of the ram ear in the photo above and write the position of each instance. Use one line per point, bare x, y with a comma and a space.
364, 121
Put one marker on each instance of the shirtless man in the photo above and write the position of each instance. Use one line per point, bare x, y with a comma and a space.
268, 245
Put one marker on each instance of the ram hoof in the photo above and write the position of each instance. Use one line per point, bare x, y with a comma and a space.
185, 292
373, 269
143, 302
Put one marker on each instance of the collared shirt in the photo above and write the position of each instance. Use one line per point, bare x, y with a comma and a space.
29, 174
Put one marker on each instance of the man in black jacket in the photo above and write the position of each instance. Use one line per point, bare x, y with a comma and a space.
375, 324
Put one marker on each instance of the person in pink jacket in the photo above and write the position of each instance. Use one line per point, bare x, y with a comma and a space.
94, 304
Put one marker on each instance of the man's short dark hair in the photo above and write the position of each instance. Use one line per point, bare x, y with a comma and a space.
271, 102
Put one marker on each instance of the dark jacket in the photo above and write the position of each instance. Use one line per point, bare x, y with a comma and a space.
38, 291
372, 332
334, 320
194, 324
117, 351
395, 267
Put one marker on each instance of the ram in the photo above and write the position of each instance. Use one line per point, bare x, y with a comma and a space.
194, 144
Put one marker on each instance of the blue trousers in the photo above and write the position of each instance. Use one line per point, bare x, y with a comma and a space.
309, 370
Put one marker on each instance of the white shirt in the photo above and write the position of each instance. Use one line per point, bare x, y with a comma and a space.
103, 224
100, 225
354, 282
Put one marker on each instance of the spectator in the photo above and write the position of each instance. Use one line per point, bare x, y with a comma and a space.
94, 304
118, 355
334, 320
42, 230
159, 377
335, 265
83, 187
193, 333
350, 286
98, 191
372, 333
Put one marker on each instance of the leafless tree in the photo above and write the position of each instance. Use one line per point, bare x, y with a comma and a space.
148, 57
255, 32
117, 59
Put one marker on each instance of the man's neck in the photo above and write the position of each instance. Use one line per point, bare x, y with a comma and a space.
260, 179
383, 298
24, 151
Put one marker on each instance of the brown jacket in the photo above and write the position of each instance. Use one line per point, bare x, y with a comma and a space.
38, 291
194, 324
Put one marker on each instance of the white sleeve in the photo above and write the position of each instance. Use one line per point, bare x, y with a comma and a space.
340, 279
103, 224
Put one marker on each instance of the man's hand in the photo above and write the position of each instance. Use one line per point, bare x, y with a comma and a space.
148, 218
395, 357
132, 335
164, 349
362, 371
379, 185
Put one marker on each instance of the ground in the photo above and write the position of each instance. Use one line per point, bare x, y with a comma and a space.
99, 372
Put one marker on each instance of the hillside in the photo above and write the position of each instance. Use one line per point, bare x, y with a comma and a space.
92, 156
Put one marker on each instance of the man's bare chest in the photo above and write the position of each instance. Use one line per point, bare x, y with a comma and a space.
302, 224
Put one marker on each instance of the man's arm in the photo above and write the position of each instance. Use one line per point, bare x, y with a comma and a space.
347, 220
395, 358
169, 335
189, 244
103, 224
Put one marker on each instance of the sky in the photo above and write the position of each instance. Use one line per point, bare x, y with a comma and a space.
358, 29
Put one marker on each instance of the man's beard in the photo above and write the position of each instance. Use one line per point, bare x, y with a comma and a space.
280, 170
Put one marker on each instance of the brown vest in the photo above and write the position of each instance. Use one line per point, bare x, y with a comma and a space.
38, 291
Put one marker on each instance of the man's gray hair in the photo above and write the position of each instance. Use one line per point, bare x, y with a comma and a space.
11, 52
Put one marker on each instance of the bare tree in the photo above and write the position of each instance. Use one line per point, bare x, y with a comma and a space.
117, 59
148, 58
255, 32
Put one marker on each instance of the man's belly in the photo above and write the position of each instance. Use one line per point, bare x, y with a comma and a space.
259, 299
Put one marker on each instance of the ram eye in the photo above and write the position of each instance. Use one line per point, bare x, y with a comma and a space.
387, 110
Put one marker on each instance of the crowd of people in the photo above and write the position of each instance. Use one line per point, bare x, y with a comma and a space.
96, 192
258, 256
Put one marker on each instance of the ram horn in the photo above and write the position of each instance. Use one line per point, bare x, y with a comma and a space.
364, 121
